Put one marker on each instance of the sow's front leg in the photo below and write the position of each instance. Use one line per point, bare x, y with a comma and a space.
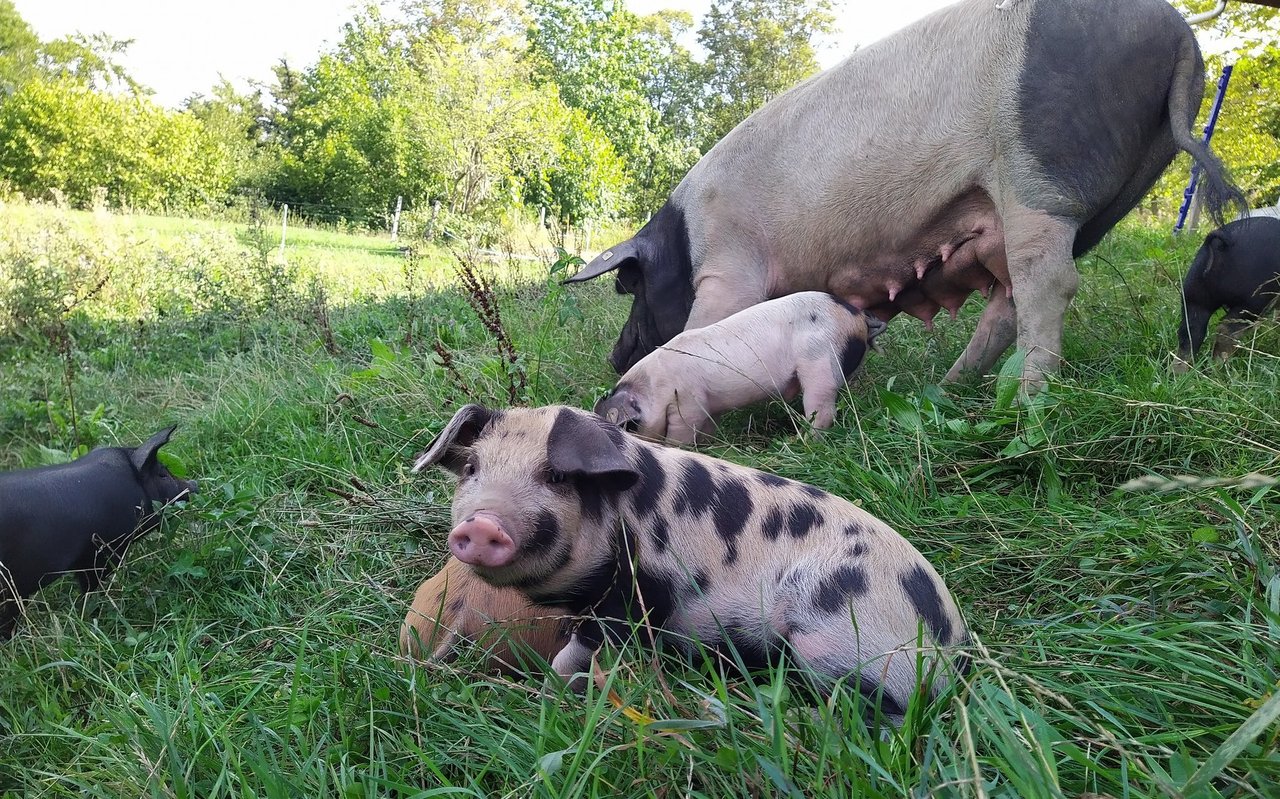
996, 331
726, 283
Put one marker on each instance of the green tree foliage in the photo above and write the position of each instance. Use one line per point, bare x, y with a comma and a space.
72, 120
88, 61
19, 49
632, 78
756, 49
483, 106
59, 134
438, 106
583, 181
235, 134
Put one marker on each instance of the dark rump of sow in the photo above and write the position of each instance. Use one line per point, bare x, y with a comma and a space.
1099, 159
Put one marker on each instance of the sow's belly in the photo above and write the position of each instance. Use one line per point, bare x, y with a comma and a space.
938, 267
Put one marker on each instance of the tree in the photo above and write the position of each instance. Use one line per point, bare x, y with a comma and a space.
631, 77
235, 133
756, 49
60, 134
88, 61
19, 48
430, 107
586, 178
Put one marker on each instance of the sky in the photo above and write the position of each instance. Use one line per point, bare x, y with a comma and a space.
181, 47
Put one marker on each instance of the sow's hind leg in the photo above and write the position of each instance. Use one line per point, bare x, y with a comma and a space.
1044, 279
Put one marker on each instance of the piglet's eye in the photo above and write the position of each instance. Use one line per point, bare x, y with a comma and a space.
468, 469
555, 477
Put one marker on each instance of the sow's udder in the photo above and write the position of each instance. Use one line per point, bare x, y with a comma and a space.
481, 541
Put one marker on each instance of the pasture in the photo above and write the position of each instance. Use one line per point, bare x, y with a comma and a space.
1127, 642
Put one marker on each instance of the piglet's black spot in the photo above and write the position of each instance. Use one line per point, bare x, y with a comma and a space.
732, 509
814, 491
803, 518
854, 529
874, 692
791, 577
644, 496
546, 532
591, 496
773, 523
856, 550
660, 533
838, 587
923, 593
696, 492
813, 317
702, 580
773, 480
855, 349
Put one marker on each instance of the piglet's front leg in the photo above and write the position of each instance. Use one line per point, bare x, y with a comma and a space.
575, 658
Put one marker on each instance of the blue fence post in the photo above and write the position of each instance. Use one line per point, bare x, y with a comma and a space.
1208, 134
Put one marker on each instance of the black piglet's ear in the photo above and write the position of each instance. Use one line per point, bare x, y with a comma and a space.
584, 445
148, 449
459, 434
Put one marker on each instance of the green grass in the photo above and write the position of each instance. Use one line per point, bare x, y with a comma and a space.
1128, 642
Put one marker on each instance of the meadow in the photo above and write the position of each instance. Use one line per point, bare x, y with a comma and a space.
1126, 642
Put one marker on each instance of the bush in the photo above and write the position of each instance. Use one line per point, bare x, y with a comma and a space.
58, 135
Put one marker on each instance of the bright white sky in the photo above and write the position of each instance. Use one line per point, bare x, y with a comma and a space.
181, 47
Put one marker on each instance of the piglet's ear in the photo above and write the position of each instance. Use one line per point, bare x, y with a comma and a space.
583, 445
460, 433
147, 451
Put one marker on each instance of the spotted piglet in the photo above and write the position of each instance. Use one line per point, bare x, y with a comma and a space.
809, 341
573, 511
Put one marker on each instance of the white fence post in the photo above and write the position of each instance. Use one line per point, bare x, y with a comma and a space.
395, 220
284, 228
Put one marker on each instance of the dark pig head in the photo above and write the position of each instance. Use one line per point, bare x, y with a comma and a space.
656, 269
534, 503
159, 485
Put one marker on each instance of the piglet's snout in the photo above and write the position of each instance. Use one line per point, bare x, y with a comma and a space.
481, 541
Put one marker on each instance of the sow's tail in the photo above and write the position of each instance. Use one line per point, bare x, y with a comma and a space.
1186, 93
